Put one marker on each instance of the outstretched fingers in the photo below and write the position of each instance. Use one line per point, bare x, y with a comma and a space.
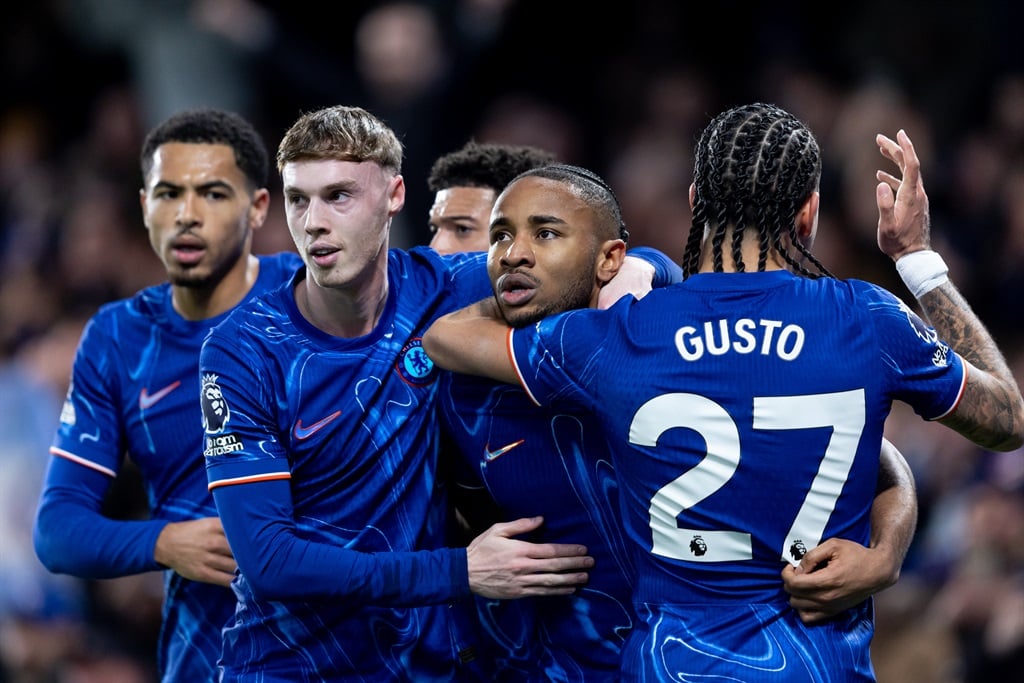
903, 223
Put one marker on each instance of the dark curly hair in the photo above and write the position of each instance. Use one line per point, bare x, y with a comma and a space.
211, 126
755, 166
489, 165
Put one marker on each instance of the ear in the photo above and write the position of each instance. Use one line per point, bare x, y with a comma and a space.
259, 207
396, 195
693, 194
807, 218
609, 260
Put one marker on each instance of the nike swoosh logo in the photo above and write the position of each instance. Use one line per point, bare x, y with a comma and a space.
148, 400
302, 432
491, 455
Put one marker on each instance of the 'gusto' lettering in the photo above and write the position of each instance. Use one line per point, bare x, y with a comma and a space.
744, 336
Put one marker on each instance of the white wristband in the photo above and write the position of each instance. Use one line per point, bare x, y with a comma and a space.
922, 271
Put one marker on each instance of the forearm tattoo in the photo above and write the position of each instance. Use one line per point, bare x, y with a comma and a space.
986, 407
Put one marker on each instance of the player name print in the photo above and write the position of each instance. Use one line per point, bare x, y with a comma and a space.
744, 336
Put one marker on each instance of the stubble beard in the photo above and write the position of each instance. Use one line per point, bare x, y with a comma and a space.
575, 297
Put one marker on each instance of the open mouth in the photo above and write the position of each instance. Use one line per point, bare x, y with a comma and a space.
515, 289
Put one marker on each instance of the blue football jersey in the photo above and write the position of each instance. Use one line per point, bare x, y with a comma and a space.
555, 462
133, 390
365, 586
746, 414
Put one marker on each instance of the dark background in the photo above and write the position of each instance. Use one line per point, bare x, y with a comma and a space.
623, 89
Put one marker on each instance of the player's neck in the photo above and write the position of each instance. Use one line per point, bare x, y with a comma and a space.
202, 303
750, 252
346, 312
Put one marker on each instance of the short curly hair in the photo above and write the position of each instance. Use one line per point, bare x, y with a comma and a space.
206, 125
488, 165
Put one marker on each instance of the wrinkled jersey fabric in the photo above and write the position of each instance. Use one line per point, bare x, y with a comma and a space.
133, 391
746, 413
322, 454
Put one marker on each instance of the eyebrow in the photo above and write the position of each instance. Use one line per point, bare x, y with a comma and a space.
340, 186
533, 220
457, 217
543, 219
210, 185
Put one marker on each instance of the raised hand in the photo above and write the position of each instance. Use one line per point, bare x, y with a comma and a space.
904, 224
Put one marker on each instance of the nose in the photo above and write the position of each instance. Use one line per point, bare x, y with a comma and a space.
515, 252
188, 210
314, 223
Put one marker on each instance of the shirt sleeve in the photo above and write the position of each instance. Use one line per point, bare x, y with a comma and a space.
922, 370
252, 492
70, 533
550, 365
278, 564
666, 271
72, 536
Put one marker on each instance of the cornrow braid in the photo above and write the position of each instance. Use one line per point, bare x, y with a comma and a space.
595, 190
754, 167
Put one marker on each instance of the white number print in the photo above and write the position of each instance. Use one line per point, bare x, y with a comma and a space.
843, 411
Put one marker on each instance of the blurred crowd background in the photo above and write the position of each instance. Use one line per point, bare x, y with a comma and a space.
623, 90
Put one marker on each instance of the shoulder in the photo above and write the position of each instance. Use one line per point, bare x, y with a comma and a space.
873, 295
146, 306
256, 317
284, 262
424, 262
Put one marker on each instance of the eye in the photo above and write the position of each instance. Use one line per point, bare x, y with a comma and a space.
164, 193
546, 234
296, 200
216, 195
500, 236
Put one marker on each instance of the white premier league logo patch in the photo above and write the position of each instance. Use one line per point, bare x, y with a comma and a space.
215, 409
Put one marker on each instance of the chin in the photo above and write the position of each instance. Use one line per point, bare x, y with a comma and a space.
184, 278
522, 318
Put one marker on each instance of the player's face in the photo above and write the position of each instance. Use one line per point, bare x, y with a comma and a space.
339, 215
544, 250
459, 219
199, 212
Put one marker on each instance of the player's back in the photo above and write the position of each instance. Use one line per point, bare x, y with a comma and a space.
748, 410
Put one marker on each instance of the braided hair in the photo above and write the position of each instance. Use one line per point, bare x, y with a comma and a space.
754, 167
594, 190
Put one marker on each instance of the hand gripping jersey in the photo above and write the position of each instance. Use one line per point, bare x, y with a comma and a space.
133, 391
553, 462
746, 414
322, 456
